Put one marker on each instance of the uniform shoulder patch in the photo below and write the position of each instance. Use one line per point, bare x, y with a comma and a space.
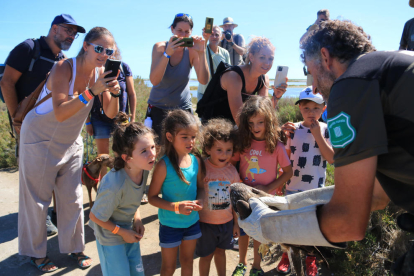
341, 131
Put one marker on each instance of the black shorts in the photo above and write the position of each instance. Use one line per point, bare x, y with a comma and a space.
214, 236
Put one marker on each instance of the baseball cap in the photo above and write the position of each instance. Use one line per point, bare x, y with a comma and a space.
67, 19
307, 94
228, 21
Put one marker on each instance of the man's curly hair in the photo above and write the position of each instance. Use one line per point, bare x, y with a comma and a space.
343, 39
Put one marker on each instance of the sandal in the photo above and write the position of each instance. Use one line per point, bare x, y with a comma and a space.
80, 257
144, 199
40, 267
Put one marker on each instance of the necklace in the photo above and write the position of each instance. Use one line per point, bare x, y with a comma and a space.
87, 85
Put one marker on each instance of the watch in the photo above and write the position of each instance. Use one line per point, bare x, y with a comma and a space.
116, 95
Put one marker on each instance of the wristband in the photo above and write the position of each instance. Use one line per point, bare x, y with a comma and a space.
115, 231
90, 90
116, 95
177, 208
165, 55
82, 99
88, 94
88, 123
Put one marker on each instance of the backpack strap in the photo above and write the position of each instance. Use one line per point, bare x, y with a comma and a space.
36, 54
211, 61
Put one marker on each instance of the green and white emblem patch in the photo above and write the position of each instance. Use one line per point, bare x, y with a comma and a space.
341, 131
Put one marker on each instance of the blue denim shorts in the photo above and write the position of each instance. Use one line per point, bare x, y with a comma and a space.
242, 233
101, 129
122, 259
171, 237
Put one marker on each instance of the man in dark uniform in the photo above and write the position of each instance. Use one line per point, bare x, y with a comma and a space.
23, 73
371, 126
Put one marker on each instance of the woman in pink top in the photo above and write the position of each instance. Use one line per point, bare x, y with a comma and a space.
261, 152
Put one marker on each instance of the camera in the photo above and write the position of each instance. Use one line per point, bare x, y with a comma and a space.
227, 34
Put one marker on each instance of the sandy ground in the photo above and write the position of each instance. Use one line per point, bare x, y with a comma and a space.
13, 264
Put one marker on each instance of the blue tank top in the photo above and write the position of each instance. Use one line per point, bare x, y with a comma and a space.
173, 91
174, 189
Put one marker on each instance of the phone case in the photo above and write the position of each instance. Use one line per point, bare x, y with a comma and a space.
209, 25
113, 65
281, 75
188, 41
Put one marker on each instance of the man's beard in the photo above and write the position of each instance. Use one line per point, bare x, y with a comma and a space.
63, 45
325, 82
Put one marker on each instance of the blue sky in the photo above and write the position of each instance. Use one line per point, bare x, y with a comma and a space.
137, 25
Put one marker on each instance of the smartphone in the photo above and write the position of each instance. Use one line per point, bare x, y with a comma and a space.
209, 25
188, 41
281, 74
113, 65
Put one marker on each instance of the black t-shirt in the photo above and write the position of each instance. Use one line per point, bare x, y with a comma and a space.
21, 57
407, 38
370, 113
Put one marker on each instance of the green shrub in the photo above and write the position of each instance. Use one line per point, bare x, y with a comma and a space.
142, 91
287, 110
7, 143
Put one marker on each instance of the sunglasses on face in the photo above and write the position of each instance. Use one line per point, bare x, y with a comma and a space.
70, 32
183, 14
305, 70
99, 49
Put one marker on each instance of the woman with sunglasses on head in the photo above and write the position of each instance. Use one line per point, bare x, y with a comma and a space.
215, 54
171, 68
52, 149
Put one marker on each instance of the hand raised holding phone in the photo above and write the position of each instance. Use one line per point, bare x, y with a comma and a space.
173, 45
103, 83
199, 43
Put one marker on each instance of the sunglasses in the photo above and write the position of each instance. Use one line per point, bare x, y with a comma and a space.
70, 32
305, 70
99, 49
183, 14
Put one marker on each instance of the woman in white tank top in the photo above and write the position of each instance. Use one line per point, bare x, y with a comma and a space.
51, 150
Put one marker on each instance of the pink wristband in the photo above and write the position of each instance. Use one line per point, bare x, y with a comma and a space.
88, 94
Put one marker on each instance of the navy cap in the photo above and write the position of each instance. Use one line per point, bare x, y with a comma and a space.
67, 19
